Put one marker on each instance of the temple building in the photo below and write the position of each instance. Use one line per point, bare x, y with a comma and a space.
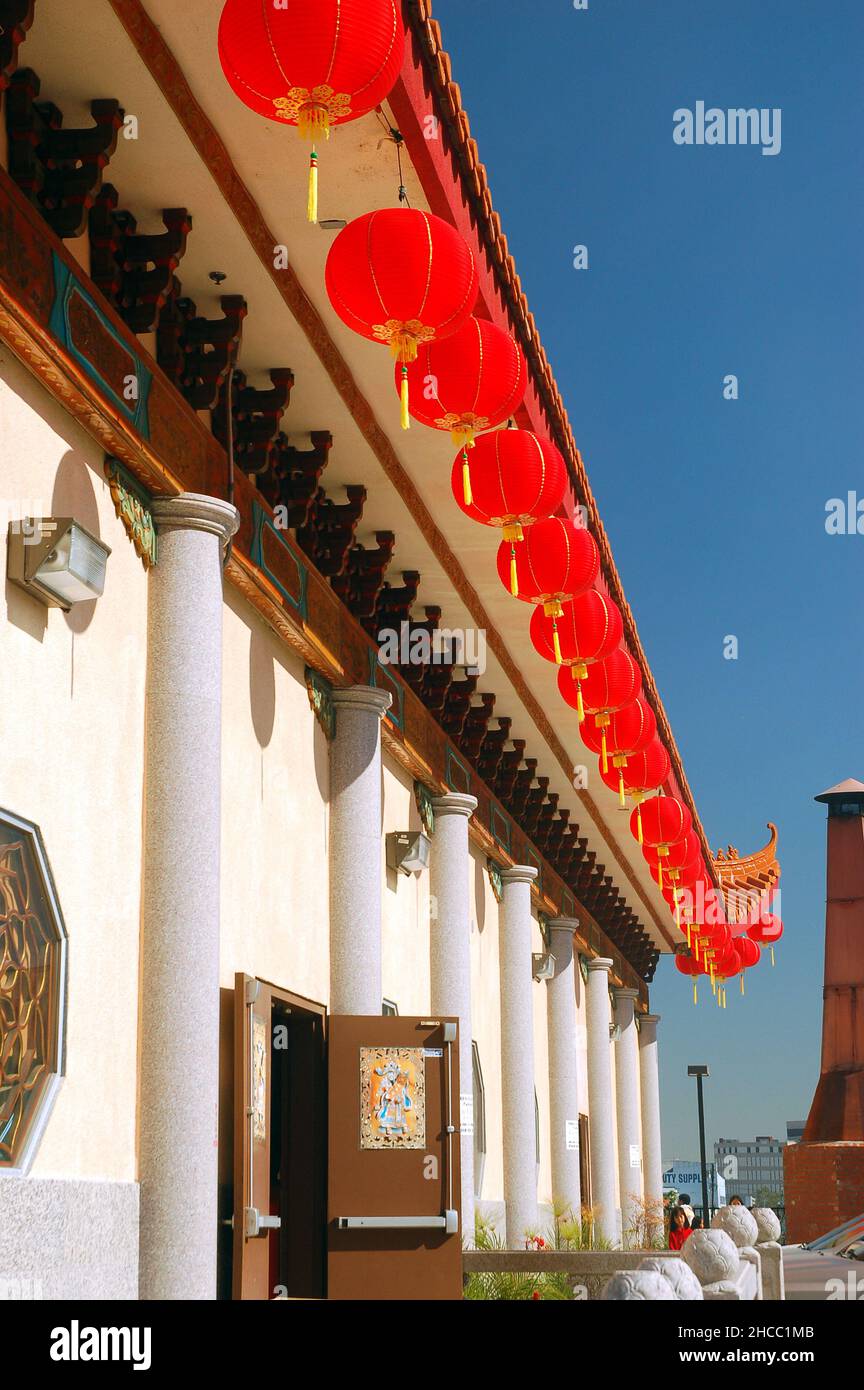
239, 848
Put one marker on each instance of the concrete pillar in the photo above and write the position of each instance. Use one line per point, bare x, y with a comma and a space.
563, 1073
517, 1055
627, 1104
649, 1077
601, 1118
450, 960
179, 1076
356, 867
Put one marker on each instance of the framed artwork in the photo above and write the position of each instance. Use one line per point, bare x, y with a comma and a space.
392, 1098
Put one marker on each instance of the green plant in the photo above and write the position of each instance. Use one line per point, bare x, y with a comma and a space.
567, 1232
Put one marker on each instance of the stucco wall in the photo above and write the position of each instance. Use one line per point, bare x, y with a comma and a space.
275, 789
72, 706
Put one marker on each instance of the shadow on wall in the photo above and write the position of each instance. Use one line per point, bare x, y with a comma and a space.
262, 685
73, 495
480, 878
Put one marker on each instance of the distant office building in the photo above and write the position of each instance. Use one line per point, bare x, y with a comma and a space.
795, 1131
752, 1168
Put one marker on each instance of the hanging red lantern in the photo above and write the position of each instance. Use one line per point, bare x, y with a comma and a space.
766, 932
610, 684
589, 628
515, 479
471, 383
626, 732
688, 965
644, 773
683, 850
403, 277
556, 562
313, 64
660, 821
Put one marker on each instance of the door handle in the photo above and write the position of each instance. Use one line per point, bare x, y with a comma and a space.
256, 1224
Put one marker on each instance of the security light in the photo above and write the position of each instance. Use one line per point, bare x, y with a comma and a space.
408, 851
56, 560
543, 963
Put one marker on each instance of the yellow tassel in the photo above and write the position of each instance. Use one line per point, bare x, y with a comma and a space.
659, 874
603, 747
742, 981
405, 418
771, 949
555, 643
639, 822
580, 708
622, 799
514, 575
466, 479
695, 993
312, 204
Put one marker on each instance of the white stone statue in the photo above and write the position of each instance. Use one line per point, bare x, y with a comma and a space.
711, 1255
639, 1284
738, 1223
678, 1274
767, 1223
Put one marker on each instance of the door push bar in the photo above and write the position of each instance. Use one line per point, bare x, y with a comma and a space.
448, 1223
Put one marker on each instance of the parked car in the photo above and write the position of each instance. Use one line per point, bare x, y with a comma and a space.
830, 1268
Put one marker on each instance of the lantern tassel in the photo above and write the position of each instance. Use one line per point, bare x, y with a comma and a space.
622, 799
580, 708
742, 981
603, 748
403, 394
659, 873
695, 993
555, 643
312, 204
514, 574
639, 822
771, 949
466, 480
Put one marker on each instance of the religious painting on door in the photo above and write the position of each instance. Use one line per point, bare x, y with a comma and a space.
392, 1098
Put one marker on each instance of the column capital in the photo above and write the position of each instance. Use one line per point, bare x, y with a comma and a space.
650, 1018
625, 993
519, 873
363, 697
568, 924
454, 804
193, 511
600, 963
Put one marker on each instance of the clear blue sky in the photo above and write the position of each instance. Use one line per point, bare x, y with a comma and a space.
706, 261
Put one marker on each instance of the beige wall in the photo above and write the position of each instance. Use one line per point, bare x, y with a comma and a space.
71, 712
275, 789
405, 905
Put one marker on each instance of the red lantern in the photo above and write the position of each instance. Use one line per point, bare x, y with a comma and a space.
610, 684
645, 771
313, 64
516, 478
687, 848
766, 932
402, 277
660, 821
589, 628
471, 383
688, 965
627, 731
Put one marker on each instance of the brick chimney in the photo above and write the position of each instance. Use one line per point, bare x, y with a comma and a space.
825, 1172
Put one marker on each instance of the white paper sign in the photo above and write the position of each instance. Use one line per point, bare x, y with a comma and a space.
635, 1156
466, 1112
571, 1133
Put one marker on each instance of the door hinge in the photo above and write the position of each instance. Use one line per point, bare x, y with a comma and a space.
254, 1224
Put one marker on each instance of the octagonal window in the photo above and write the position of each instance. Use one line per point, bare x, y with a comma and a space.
33, 948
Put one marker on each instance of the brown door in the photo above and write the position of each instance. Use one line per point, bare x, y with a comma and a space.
393, 1228
279, 1144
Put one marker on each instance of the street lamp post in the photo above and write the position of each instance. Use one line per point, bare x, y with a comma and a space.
699, 1072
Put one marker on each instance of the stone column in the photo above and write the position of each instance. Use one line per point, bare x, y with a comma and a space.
563, 1074
356, 868
627, 1104
450, 960
179, 1067
601, 1119
649, 1076
517, 1054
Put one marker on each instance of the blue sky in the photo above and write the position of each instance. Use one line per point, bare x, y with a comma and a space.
706, 261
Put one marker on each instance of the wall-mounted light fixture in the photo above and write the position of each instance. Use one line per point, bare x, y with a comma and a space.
543, 965
408, 851
56, 560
